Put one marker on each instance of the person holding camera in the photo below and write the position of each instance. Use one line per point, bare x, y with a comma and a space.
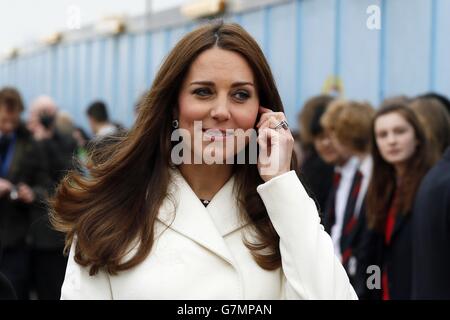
48, 263
23, 180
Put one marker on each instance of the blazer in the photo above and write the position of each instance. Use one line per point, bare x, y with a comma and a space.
352, 246
431, 234
395, 259
317, 176
199, 252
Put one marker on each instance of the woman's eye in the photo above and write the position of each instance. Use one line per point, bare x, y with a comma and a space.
241, 95
202, 92
381, 135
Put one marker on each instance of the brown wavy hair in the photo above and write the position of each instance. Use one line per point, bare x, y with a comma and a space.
120, 200
383, 183
11, 99
436, 122
351, 121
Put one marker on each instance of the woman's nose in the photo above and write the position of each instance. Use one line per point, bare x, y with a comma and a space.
391, 139
220, 111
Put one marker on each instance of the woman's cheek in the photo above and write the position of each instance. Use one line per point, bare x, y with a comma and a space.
246, 119
190, 111
412, 145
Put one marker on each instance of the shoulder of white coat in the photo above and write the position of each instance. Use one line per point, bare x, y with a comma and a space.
78, 284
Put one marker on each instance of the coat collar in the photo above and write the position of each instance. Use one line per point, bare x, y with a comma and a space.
205, 225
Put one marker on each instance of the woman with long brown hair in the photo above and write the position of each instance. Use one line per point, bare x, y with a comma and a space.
401, 159
149, 224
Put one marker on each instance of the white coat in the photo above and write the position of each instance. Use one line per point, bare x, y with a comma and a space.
201, 254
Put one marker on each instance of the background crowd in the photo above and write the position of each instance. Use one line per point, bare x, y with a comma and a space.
380, 176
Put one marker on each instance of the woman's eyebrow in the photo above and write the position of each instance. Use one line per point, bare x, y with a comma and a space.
203, 83
242, 83
210, 83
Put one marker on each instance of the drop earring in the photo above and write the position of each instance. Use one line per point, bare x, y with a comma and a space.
175, 124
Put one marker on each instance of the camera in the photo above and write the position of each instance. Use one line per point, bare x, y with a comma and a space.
46, 120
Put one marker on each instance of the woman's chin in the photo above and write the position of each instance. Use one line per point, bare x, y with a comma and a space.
216, 156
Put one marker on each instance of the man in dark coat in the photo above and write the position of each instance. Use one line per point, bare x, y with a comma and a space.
23, 184
431, 234
47, 259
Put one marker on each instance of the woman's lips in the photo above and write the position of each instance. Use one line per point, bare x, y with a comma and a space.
394, 153
214, 134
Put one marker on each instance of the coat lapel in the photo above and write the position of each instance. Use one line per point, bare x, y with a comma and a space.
399, 222
206, 226
224, 211
360, 224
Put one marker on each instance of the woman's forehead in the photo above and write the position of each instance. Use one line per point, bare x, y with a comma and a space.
219, 64
391, 119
